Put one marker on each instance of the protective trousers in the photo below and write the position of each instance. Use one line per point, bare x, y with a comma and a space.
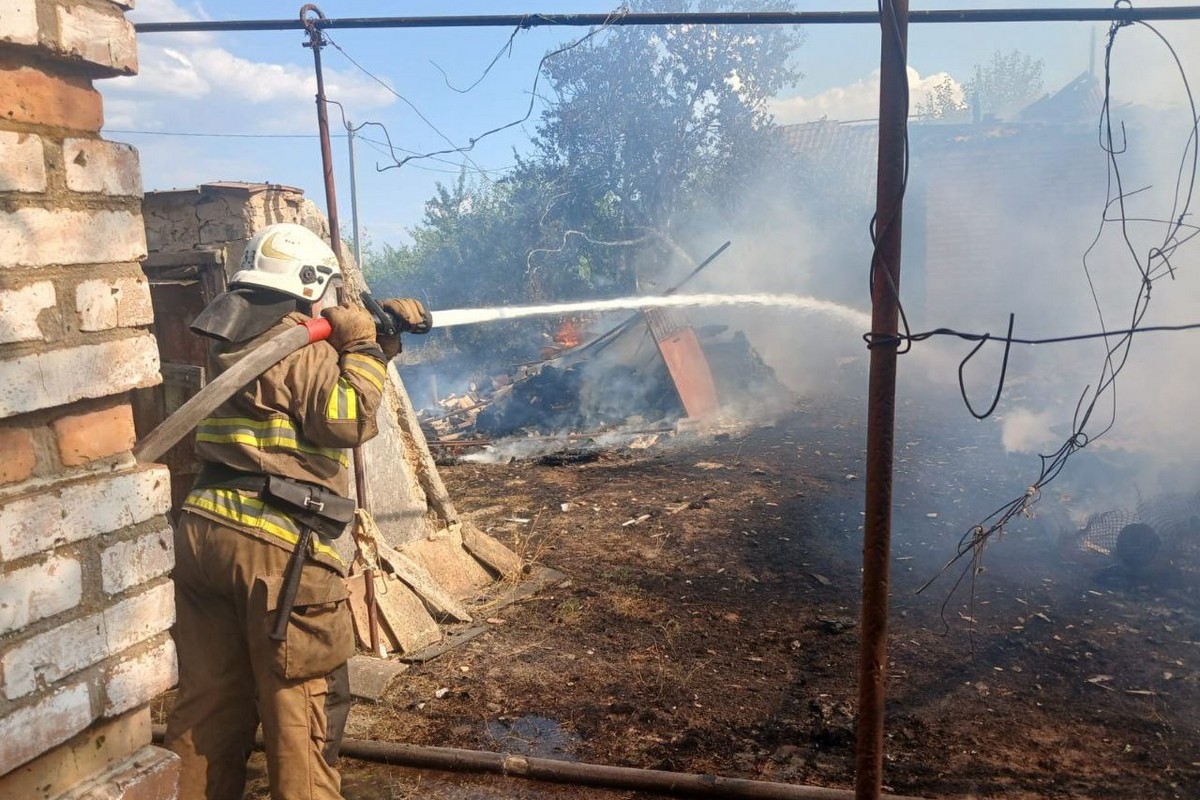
232, 675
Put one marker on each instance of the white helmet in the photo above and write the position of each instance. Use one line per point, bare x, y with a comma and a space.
288, 258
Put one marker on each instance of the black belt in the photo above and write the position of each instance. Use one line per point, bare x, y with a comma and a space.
311, 506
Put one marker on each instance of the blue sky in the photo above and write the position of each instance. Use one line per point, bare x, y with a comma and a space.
260, 83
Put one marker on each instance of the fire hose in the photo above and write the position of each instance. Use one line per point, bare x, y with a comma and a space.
211, 396
204, 402
258, 361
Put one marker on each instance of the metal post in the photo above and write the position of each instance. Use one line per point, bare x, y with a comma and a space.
354, 198
316, 41
881, 413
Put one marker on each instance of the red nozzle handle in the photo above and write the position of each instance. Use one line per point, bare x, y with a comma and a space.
318, 329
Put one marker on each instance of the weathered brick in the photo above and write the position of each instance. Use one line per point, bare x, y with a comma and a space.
94, 434
39, 591
137, 680
38, 237
59, 377
48, 657
138, 618
105, 746
22, 162
104, 303
129, 563
20, 308
151, 774
19, 456
35, 97
99, 36
37, 727
96, 165
89, 507
18, 23
44, 659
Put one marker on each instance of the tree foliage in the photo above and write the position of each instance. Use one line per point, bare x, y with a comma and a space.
1005, 84
646, 131
1001, 87
652, 123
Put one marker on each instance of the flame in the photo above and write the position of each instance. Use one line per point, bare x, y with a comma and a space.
568, 334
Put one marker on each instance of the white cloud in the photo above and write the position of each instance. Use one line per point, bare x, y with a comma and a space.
162, 71
190, 79
859, 100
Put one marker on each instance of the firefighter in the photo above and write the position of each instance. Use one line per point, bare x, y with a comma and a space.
275, 470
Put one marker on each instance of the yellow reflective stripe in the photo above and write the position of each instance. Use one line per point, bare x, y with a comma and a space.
366, 366
343, 402
253, 513
261, 434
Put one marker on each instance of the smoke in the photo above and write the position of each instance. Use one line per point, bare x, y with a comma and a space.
997, 221
1001, 218
1029, 431
519, 448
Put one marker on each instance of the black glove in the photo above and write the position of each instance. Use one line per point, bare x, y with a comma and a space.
411, 315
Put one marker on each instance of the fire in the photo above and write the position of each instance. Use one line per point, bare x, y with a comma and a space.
568, 334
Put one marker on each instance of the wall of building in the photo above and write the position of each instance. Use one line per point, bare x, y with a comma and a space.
85, 602
222, 216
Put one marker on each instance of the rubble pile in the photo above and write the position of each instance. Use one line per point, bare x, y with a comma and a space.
600, 385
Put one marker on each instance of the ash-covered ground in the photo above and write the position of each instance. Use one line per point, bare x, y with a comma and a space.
708, 623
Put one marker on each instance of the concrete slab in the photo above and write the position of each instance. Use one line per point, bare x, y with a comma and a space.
370, 677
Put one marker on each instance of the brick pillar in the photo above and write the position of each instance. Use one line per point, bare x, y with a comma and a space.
85, 602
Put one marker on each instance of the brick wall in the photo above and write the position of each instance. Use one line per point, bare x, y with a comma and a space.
223, 215
85, 547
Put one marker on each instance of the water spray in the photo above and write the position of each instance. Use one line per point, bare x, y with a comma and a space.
473, 316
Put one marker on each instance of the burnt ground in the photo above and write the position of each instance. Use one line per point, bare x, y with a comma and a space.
718, 635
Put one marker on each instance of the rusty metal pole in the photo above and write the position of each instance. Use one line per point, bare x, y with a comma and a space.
316, 41
881, 413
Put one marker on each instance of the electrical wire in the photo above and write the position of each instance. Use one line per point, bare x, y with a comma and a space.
483, 170
1076, 337
612, 18
1157, 265
409, 103
459, 168
506, 48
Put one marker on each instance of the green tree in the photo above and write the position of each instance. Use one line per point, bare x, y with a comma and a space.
1001, 87
946, 101
1004, 85
646, 130
656, 123
470, 249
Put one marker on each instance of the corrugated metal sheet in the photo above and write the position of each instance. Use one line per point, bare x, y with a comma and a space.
685, 360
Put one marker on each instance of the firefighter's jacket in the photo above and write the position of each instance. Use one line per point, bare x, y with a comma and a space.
295, 420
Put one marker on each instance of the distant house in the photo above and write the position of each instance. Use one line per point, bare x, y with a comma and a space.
997, 213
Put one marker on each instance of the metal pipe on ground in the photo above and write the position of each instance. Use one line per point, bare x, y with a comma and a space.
681, 784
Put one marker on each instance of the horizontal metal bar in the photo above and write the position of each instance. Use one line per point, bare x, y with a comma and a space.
713, 18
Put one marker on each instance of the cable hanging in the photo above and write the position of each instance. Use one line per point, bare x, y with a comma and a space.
1153, 265
610, 20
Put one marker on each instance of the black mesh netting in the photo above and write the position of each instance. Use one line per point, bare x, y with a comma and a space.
1166, 526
